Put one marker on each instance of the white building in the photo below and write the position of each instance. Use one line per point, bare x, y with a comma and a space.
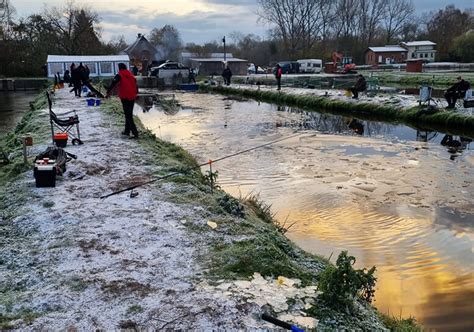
420, 50
99, 65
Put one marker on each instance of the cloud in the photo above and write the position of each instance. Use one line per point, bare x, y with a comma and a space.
197, 26
198, 21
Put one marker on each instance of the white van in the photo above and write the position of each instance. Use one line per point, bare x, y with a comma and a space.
310, 65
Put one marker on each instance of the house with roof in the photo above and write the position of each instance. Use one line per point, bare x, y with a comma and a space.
424, 50
406, 51
385, 55
213, 63
142, 53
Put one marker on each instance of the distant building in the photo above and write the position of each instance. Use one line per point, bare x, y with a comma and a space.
424, 50
213, 63
99, 65
385, 55
142, 53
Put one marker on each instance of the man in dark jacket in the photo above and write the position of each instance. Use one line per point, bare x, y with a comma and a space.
361, 85
128, 90
227, 74
278, 73
458, 90
76, 78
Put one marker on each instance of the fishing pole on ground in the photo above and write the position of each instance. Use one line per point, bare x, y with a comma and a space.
210, 162
282, 324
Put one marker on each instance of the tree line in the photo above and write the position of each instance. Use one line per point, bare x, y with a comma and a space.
297, 29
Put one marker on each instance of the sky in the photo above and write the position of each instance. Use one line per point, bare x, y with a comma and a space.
198, 21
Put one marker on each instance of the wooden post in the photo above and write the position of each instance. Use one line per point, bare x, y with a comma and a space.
27, 141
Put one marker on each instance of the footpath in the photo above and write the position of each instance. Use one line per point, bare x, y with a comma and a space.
71, 260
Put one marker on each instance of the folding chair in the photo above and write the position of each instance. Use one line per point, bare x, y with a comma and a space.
425, 95
468, 100
64, 124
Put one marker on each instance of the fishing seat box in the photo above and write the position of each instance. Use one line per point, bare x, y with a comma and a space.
60, 139
468, 103
45, 173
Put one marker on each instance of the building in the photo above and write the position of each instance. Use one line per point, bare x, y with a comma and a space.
424, 50
99, 65
213, 63
385, 55
142, 53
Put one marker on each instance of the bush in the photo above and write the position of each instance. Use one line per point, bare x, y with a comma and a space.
342, 284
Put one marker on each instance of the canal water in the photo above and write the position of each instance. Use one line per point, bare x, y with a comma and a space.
394, 197
12, 107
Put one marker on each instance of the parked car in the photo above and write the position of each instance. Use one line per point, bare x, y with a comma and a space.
169, 69
252, 69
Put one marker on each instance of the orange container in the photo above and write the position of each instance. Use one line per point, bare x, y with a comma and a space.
60, 139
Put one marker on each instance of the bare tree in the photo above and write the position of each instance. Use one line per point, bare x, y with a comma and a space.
7, 11
299, 24
398, 16
345, 20
72, 24
370, 15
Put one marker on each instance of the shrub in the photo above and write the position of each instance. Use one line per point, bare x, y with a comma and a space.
342, 284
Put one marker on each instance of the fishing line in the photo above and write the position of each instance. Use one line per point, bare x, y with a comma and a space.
200, 165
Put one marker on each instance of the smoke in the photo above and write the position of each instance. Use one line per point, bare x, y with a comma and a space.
169, 46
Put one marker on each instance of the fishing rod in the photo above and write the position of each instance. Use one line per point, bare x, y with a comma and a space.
200, 165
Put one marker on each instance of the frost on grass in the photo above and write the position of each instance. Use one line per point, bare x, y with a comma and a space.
282, 296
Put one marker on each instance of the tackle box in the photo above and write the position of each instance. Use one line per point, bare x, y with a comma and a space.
60, 139
45, 173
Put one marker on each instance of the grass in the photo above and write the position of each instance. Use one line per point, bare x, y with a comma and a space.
419, 117
25, 315
400, 324
438, 80
36, 124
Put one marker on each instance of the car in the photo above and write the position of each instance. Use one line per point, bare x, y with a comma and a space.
169, 69
252, 69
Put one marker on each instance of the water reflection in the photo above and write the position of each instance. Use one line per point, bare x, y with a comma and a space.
387, 193
12, 107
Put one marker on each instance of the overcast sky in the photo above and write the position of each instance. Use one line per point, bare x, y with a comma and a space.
198, 21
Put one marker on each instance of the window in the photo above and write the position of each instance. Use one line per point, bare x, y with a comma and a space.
421, 55
56, 68
426, 55
106, 68
432, 55
413, 55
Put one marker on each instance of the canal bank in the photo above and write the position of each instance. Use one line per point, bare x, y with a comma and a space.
386, 108
164, 257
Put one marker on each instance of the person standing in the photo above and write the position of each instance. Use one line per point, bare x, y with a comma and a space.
458, 90
278, 73
127, 91
227, 75
76, 76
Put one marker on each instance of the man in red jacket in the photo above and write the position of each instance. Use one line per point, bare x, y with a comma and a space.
127, 91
